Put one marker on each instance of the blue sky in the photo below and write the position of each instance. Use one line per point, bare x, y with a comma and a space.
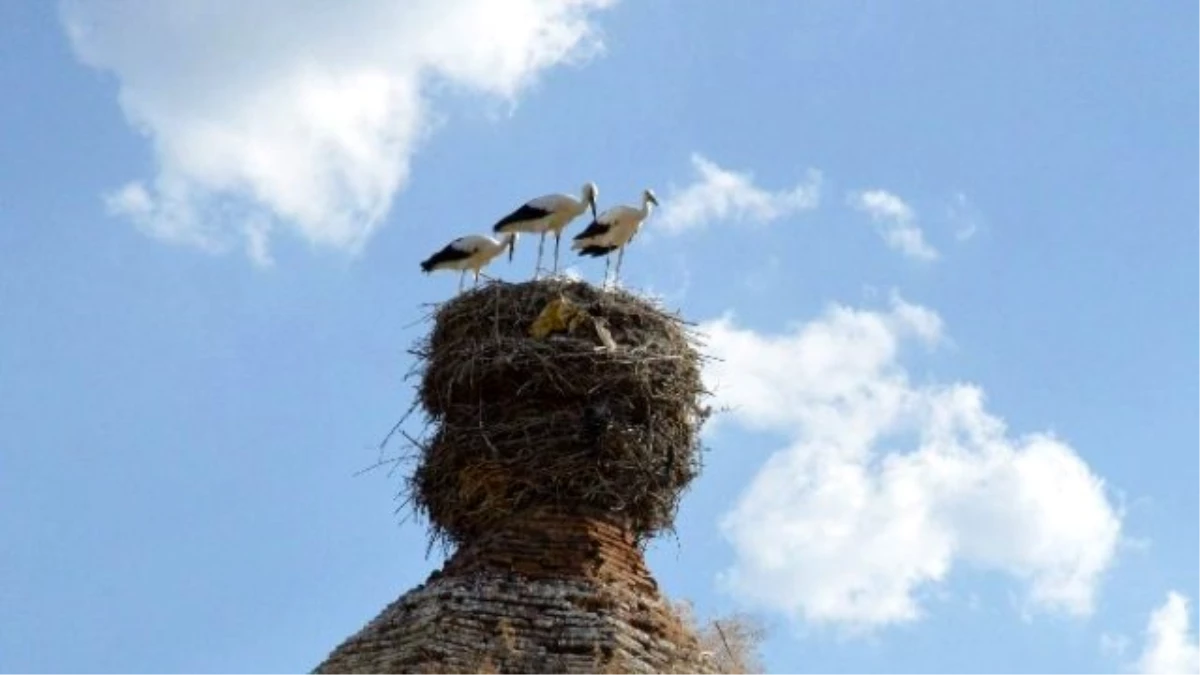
947, 250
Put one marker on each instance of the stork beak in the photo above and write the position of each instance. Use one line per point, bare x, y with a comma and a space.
593, 205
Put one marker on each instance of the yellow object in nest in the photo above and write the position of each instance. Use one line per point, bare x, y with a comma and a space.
560, 315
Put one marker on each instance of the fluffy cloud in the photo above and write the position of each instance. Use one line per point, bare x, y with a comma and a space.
896, 222
723, 195
1170, 647
885, 485
301, 116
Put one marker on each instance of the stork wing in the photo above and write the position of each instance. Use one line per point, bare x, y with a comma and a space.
523, 214
595, 250
595, 229
449, 253
550, 203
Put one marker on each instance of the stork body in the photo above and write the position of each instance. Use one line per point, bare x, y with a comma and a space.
548, 213
613, 230
472, 252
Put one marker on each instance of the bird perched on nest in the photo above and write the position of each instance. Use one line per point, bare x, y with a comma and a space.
548, 213
472, 252
612, 230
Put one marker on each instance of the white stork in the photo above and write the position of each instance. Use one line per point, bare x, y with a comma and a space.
472, 252
548, 213
612, 230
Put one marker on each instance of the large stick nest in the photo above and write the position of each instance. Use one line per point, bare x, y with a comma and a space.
600, 415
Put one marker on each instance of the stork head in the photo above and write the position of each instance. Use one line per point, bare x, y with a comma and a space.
648, 196
590, 193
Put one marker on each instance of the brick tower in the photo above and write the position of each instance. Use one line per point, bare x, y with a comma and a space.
564, 424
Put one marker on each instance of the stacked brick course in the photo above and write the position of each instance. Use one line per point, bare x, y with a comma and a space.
548, 593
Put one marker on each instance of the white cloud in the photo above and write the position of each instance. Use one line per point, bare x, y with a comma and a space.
571, 273
301, 114
1114, 644
886, 485
896, 222
131, 199
723, 195
964, 216
257, 236
1171, 646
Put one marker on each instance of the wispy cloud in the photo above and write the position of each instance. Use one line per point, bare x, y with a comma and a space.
300, 115
723, 195
896, 221
886, 485
1171, 645
964, 216
1114, 645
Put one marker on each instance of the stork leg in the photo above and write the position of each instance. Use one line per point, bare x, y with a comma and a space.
620, 257
462, 278
607, 264
541, 246
557, 237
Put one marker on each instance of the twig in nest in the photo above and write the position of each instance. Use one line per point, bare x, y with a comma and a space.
725, 642
387, 460
423, 319
398, 424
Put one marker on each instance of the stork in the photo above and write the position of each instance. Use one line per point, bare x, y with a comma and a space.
548, 213
472, 252
612, 230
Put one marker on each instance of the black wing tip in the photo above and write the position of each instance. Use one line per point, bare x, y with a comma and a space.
447, 254
597, 251
591, 230
521, 214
